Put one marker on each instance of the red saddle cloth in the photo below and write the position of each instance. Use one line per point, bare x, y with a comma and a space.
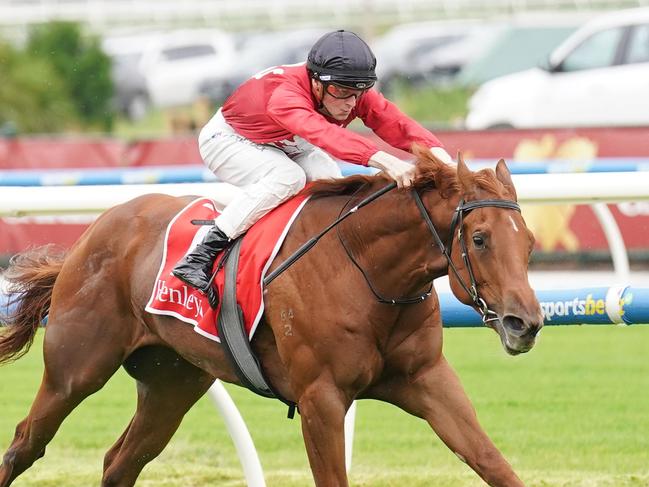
260, 245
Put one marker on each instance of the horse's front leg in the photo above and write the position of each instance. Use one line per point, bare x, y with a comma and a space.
432, 391
322, 409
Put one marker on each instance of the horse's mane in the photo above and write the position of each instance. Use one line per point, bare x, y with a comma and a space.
434, 173
430, 173
343, 186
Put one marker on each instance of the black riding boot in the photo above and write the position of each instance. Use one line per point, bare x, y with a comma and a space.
195, 269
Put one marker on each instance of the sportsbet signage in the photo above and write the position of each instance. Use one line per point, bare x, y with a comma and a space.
594, 306
589, 306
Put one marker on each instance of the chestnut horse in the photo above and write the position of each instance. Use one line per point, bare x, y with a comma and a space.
326, 339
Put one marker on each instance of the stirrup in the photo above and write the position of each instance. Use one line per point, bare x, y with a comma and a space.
212, 295
212, 291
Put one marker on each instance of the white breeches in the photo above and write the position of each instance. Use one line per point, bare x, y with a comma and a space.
266, 174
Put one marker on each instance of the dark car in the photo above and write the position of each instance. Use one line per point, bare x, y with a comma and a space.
443, 63
428, 51
131, 96
257, 53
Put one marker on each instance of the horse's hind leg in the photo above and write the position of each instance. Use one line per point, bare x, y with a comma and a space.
167, 388
72, 372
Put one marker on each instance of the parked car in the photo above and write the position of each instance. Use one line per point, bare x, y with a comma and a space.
166, 69
521, 44
406, 53
131, 94
177, 66
443, 64
259, 52
598, 76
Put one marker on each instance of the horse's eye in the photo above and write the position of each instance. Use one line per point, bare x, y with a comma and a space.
478, 241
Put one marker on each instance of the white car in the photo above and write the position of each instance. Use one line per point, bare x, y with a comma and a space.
176, 66
166, 69
599, 76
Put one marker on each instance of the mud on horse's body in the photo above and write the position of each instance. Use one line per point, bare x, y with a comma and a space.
344, 343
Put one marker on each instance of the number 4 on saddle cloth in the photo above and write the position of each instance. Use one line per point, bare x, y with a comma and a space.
258, 248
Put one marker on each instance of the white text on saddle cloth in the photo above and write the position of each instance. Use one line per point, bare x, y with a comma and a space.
170, 296
181, 297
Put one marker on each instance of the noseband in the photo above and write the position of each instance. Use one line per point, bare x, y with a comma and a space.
462, 209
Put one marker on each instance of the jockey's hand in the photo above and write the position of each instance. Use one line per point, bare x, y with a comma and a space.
401, 171
442, 155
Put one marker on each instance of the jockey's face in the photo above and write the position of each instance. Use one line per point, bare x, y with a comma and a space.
334, 106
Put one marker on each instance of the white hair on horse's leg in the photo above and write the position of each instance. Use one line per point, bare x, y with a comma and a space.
462, 459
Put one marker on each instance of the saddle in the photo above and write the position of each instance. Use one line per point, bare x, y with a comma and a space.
240, 273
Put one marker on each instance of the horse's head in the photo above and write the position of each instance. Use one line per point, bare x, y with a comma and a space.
491, 248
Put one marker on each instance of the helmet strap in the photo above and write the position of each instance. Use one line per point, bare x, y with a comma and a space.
321, 108
319, 97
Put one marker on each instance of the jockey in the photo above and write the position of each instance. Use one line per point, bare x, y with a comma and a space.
281, 128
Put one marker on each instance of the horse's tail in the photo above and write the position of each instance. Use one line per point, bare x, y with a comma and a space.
30, 279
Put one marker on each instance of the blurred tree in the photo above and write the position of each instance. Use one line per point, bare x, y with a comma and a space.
33, 97
81, 64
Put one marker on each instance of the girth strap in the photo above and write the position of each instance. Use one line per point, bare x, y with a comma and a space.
231, 328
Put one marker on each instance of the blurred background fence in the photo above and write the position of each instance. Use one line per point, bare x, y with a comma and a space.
227, 14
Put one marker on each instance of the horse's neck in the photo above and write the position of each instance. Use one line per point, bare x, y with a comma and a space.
395, 238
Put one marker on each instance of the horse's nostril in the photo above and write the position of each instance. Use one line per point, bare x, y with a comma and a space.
519, 328
514, 324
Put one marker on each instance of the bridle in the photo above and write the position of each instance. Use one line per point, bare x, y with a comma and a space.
457, 221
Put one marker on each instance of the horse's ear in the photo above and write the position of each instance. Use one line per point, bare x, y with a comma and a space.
464, 175
504, 176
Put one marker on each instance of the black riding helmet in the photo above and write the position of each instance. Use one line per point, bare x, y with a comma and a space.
343, 58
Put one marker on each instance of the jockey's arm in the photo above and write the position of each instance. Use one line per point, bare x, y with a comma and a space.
295, 113
395, 127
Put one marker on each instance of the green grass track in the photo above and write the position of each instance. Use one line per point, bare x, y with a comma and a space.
572, 412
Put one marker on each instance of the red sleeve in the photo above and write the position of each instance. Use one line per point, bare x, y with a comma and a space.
391, 124
294, 111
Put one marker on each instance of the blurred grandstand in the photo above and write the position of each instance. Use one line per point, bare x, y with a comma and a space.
364, 15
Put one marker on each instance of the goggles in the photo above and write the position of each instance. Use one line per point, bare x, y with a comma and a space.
343, 92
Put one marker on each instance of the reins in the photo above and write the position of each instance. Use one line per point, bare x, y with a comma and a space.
456, 223
311, 242
380, 298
